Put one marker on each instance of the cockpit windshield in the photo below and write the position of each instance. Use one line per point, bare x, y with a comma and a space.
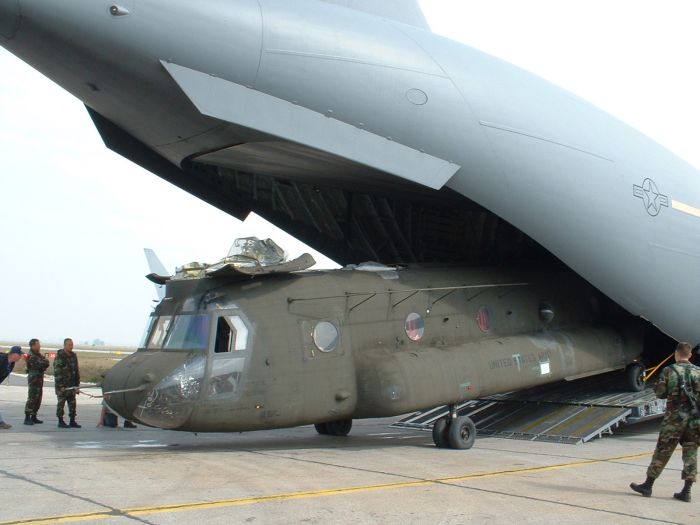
180, 332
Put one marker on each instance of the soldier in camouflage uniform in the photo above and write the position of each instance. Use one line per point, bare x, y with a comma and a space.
67, 377
36, 366
678, 425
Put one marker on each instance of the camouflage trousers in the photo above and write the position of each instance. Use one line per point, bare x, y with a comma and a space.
64, 397
676, 429
36, 391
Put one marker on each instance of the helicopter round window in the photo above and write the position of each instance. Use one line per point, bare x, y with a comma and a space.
546, 313
326, 336
415, 327
483, 319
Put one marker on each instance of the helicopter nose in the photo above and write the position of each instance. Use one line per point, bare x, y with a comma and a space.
170, 403
9, 19
157, 389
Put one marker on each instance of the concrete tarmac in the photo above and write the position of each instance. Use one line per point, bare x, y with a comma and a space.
376, 475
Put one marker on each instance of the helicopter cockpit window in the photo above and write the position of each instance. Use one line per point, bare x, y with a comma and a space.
189, 332
415, 327
147, 332
158, 333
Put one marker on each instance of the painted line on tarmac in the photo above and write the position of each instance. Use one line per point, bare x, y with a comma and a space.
73, 518
188, 507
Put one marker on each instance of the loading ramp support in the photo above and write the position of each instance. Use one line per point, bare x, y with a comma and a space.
567, 412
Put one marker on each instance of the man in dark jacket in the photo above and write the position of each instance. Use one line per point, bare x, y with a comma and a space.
7, 364
36, 366
67, 380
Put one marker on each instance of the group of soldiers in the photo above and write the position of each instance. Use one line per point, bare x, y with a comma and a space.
66, 377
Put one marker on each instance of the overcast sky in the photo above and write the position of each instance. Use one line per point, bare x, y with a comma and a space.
75, 217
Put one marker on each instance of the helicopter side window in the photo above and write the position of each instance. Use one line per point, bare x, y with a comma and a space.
224, 336
415, 327
241, 333
325, 336
231, 335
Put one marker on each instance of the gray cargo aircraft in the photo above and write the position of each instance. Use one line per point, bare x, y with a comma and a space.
352, 126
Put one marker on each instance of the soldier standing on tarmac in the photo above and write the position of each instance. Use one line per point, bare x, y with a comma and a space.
680, 424
67, 377
36, 366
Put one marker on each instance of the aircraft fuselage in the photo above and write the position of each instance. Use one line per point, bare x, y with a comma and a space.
311, 91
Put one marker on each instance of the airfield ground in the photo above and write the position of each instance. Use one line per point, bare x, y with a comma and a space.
376, 475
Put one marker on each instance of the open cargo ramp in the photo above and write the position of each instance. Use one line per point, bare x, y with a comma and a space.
573, 413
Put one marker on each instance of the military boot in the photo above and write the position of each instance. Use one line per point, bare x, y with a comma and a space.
61, 423
684, 494
74, 424
28, 419
645, 488
36, 420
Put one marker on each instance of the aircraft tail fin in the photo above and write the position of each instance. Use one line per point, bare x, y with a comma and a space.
405, 11
156, 267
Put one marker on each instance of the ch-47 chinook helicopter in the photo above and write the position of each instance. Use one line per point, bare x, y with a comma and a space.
353, 127
253, 343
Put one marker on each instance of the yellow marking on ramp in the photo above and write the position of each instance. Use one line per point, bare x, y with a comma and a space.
186, 507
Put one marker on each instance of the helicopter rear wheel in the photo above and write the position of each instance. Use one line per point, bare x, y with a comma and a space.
462, 433
338, 428
634, 377
440, 437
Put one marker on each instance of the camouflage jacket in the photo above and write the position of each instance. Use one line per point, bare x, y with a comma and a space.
668, 386
36, 364
65, 370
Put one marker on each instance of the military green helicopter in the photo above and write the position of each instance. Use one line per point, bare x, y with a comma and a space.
257, 342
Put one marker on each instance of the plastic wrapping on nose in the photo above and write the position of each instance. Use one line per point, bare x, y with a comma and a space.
170, 403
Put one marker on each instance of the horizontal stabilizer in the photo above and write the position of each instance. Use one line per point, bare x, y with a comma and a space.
158, 280
231, 102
